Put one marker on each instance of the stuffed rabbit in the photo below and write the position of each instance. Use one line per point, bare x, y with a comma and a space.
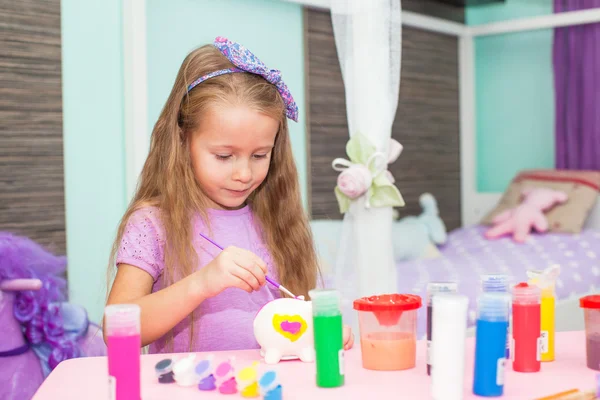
418, 236
521, 220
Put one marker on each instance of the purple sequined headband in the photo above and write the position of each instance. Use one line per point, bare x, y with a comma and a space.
245, 61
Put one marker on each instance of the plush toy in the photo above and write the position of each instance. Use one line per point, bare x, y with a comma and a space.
529, 214
418, 236
38, 327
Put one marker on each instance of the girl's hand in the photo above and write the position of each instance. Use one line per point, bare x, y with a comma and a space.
233, 267
348, 338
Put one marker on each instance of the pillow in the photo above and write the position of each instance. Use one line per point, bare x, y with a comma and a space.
581, 186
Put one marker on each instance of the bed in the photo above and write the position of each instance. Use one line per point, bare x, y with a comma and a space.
467, 255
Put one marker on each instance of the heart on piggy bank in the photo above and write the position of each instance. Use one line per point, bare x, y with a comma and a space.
291, 327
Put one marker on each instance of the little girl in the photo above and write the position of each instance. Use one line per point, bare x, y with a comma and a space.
220, 165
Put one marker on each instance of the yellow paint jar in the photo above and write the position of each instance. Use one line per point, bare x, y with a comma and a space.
247, 381
548, 307
546, 281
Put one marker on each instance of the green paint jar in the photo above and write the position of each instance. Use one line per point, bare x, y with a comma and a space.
328, 337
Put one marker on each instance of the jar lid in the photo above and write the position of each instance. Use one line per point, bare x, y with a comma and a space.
164, 366
269, 381
388, 302
204, 368
591, 301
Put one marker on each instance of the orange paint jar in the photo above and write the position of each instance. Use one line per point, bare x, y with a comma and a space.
388, 331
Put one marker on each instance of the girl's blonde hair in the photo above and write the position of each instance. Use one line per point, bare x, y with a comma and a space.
167, 179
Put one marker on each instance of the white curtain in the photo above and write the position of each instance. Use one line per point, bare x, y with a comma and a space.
368, 40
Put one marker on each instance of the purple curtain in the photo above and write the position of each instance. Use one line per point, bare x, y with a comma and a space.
576, 57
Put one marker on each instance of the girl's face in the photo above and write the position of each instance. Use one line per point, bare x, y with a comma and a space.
231, 153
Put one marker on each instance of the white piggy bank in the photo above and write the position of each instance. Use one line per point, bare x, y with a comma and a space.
284, 330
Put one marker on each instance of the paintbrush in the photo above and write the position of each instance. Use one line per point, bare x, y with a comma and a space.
271, 281
573, 394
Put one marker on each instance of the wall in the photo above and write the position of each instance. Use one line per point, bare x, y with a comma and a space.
31, 143
93, 105
514, 95
271, 29
426, 121
435, 8
93, 143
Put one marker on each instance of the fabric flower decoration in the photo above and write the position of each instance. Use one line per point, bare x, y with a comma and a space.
366, 174
355, 181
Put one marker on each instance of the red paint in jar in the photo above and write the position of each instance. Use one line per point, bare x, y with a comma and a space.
526, 350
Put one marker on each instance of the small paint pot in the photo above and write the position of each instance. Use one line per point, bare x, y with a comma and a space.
247, 376
164, 371
204, 375
225, 377
268, 382
247, 381
274, 394
183, 372
224, 371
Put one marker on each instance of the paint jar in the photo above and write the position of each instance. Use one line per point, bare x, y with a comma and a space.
490, 344
526, 340
591, 310
498, 283
204, 374
164, 371
388, 331
434, 288
328, 337
225, 377
124, 344
247, 380
495, 283
546, 281
448, 346
183, 371
270, 387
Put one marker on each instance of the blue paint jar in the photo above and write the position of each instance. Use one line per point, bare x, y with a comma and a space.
270, 386
490, 341
498, 283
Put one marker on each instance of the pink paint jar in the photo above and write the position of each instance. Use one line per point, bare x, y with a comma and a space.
388, 331
122, 323
591, 310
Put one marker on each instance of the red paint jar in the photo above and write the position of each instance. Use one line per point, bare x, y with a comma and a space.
526, 338
591, 309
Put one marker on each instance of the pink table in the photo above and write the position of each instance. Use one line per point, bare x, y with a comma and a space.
86, 378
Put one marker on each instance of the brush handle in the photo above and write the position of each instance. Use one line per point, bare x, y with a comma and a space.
272, 282
211, 241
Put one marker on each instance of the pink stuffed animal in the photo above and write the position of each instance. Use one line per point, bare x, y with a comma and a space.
518, 221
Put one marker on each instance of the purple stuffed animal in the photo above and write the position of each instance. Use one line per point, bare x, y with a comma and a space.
38, 328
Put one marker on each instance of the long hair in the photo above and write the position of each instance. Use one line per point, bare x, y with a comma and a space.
167, 180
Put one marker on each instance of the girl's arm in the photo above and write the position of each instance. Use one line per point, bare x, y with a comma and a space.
161, 310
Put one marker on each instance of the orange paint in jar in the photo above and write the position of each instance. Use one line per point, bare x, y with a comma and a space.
388, 331
388, 351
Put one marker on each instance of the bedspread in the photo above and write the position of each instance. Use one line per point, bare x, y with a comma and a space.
467, 255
